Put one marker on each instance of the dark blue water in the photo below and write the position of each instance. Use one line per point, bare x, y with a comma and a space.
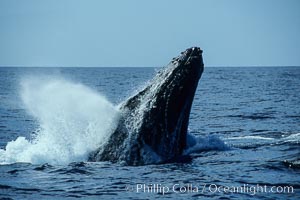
254, 111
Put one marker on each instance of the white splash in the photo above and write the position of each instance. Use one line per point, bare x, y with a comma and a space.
250, 137
198, 144
73, 121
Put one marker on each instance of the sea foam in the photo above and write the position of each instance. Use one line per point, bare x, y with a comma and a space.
73, 121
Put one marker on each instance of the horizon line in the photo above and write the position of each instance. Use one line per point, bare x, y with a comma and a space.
221, 66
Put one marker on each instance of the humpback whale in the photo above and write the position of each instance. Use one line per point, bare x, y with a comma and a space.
153, 124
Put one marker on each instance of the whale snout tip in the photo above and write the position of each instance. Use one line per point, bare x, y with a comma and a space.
197, 50
193, 51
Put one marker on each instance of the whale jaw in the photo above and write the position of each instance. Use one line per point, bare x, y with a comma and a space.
154, 122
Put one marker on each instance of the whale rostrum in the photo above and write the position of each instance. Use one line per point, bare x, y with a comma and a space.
154, 122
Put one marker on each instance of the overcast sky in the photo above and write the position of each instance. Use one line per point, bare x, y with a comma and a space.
148, 33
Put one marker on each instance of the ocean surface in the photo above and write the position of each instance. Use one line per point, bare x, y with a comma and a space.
246, 121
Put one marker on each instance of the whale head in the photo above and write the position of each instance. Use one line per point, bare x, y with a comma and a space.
161, 111
153, 123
